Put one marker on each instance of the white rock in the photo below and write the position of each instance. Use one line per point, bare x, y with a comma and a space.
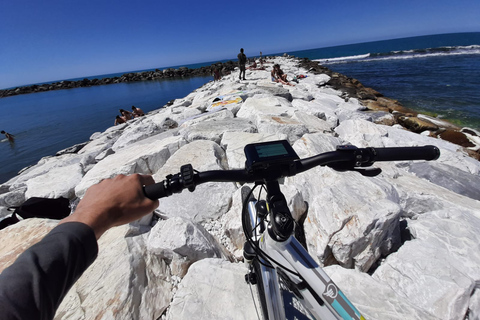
417, 196
20, 236
146, 157
213, 289
57, 182
13, 198
318, 109
345, 114
373, 298
140, 130
4, 212
220, 114
232, 221
362, 133
313, 124
122, 283
270, 105
360, 222
448, 177
298, 93
292, 128
438, 270
214, 129
42, 167
210, 200
184, 241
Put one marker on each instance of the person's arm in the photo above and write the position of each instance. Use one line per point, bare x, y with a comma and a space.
36, 283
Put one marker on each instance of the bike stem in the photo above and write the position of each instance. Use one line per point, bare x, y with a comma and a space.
281, 223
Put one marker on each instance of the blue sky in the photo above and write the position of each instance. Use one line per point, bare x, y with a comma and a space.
52, 40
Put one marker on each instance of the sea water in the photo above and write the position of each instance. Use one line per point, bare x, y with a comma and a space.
439, 75
44, 123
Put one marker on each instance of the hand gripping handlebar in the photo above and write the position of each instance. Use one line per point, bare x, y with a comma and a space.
345, 158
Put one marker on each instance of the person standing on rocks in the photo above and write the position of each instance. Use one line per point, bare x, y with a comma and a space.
242, 60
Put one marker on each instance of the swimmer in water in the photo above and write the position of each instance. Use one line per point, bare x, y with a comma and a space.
9, 136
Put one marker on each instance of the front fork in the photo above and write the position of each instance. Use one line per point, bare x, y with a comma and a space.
266, 275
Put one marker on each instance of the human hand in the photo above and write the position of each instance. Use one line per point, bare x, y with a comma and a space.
114, 202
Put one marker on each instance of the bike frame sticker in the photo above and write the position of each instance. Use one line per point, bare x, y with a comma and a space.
332, 295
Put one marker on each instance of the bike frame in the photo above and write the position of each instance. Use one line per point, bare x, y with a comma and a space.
314, 288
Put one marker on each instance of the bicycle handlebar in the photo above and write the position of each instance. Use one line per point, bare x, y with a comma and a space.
345, 157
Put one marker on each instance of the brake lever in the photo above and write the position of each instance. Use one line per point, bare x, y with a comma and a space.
367, 172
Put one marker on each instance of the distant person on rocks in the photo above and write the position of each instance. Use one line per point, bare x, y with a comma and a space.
36, 283
216, 74
126, 115
242, 60
279, 76
137, 112
9, 136
119, 120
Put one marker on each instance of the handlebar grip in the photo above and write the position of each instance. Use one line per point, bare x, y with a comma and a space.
407, 153
155, 191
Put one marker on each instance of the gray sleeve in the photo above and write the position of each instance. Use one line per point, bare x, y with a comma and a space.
36, 283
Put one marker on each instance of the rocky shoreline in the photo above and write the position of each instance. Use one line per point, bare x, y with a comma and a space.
402, 245
156, 74
350, 88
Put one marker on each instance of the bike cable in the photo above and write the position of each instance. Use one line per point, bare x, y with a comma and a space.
254, 245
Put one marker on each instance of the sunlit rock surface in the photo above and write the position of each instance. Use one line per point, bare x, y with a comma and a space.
401, 245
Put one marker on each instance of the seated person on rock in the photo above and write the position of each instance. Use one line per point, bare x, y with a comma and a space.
126, 115
279, 76
119, 120
137, 112
254, 66
36, 283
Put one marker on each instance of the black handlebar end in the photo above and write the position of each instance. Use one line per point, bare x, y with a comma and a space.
155, 191
407, 153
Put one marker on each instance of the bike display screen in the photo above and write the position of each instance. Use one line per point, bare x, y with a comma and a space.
265, 154
271, 150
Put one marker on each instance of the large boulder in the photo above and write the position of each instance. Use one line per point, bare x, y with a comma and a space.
374, 298
213, 289
290, 127
123, 282
182, 242
438, 270
210, 200
214, 129
265, 105
145, 158
361, 222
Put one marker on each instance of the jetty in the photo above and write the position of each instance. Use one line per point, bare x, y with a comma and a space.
402, 245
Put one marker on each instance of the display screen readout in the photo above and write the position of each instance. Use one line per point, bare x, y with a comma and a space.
271, 150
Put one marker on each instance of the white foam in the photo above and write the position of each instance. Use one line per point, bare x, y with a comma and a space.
341, 59
406, 54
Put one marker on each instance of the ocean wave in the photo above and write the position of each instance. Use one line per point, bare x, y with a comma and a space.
405, 54
344, 59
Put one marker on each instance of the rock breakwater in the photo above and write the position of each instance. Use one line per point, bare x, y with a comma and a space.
401, 245
156, 74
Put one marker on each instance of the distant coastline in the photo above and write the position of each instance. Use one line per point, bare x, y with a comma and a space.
156, 74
